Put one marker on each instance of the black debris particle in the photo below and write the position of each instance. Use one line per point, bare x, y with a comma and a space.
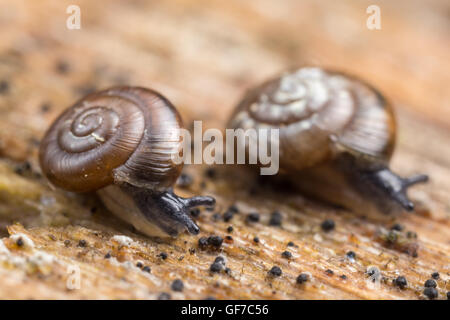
253, 217
302, 278
228, 239
215, 241
147, 269
210, 173
275, 219
62, 67
286, 254
328, 225
163, 255
329, 272
45, 107
435, 275
291, 244
216, 267
164, 296
82, 243
397, 227
195, 212
351, 255
85, 89
67, 243
108, 255
430, 283
185, 180
431, 293
275, 271
343, 277
256, 239
4, 86
400, 282
392, 237
139, 265
220, 259
20, 242
203, 242
230, 229
216, 216
233, 208
227, 216
411, 235
177, 285
23, 168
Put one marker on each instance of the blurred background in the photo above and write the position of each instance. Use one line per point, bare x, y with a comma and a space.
203, 55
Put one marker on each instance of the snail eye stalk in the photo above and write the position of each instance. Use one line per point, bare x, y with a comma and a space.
198, 201
395, 186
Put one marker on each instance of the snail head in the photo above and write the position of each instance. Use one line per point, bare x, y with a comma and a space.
165, 210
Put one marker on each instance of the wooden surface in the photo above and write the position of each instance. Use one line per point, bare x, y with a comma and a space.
203, 55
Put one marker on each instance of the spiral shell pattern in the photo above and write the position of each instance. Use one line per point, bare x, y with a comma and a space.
316, 111
123, 134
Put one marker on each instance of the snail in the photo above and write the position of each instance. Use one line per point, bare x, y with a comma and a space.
120, 143
336, 138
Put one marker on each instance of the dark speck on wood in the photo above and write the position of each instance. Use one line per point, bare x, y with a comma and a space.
275, 271
177, 285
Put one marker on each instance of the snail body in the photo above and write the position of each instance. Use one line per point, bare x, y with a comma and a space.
337, 135
121, 142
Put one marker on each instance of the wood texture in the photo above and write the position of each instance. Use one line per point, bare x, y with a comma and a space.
203, 55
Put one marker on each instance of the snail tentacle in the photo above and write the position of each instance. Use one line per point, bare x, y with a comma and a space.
199, 201
419, 178
396, 186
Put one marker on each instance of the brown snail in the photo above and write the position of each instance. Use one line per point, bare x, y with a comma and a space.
120, 142
336, 137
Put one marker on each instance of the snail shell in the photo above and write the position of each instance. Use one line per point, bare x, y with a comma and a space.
337, 135
121, 142
125, 134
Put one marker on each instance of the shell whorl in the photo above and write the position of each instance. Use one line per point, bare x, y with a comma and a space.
123, 134
315, 111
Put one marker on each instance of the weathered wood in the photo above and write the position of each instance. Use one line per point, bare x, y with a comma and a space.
203, 55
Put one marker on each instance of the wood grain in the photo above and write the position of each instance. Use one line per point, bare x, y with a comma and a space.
203, 55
